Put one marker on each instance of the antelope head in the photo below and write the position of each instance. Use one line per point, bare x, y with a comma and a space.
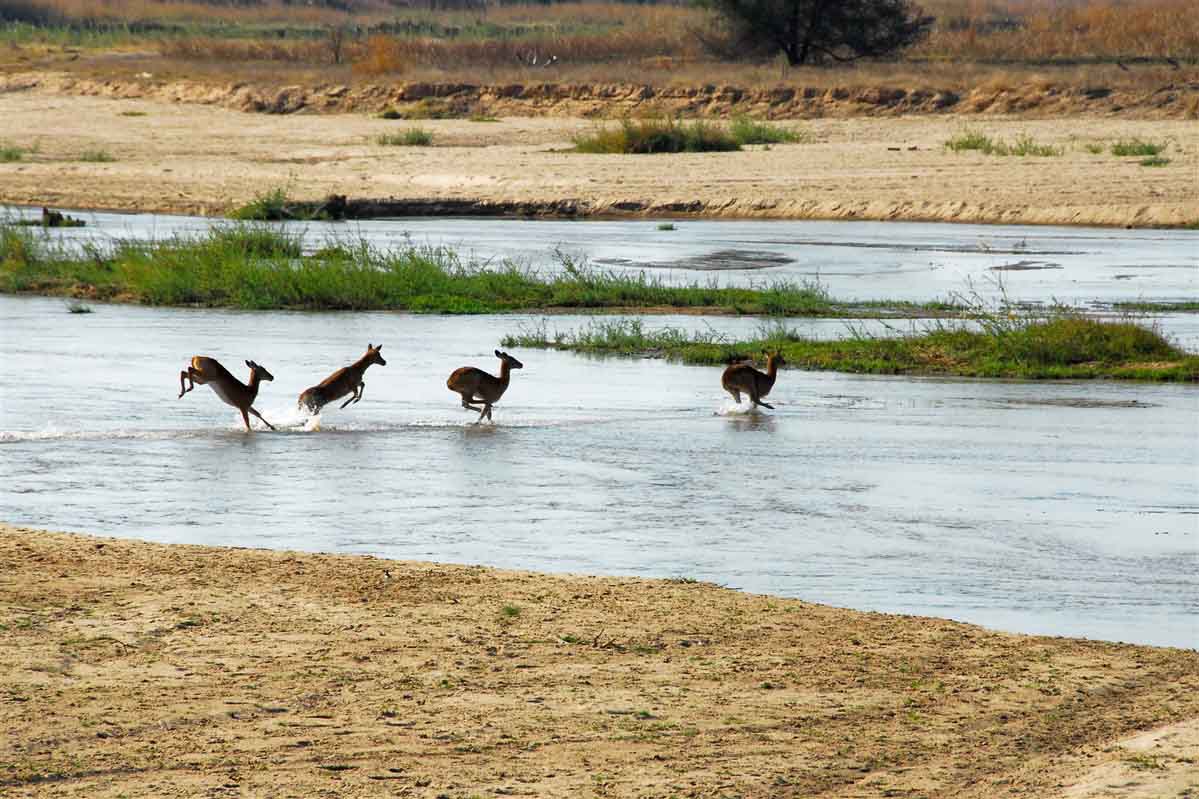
373, 356
259, 372
511, 362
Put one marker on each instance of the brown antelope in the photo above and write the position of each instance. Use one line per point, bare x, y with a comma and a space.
744, 377
346, 380
204, 370
475, 385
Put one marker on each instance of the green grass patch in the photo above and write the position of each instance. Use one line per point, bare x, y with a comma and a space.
133, 113
1146, 306
1094, 148
1062, 345
1155, 160
10, 153
969, 140
648, 136
666, 226
258, 266
413, 137
1022, 146
97, 156
748, 131
269, 206
1136, 147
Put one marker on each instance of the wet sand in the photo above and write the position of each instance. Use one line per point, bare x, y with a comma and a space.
196, 158
135, 669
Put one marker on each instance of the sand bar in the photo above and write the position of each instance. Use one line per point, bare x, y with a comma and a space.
144, 670
207, 159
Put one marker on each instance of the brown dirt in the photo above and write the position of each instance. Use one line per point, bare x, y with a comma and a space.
1173, 98
183, 157
143, 670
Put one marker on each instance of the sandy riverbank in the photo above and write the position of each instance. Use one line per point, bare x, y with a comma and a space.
138, 670
190, 158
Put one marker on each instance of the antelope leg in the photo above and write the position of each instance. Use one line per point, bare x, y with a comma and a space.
259, 415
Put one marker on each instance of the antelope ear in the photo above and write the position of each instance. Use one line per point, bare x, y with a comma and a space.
370, 346
378, 348
499, 354
250, 364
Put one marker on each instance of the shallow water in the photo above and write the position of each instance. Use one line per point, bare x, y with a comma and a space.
1060, 508
854, 260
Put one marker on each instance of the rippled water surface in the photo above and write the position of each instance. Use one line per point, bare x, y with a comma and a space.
854, 260
1062, 508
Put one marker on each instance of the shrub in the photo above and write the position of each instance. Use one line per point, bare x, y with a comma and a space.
269, 206
657, 136
413, 137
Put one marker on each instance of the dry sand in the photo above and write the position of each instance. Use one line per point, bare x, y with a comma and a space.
142, 670
195, 158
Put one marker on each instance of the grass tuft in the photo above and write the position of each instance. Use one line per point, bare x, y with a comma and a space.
10, 153
413, 137
1023, 146
666, 226
647, 136
269, 206
748, 131
97, 156
1155, 160
1136, 147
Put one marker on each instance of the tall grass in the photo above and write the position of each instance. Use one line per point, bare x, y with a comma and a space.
255, 266
647, 136
1062, 345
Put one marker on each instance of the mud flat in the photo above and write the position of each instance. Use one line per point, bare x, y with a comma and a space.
135, 669
194, 158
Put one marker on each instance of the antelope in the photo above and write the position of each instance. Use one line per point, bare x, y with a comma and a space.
346, 380
240, 395
744, 377
469, 382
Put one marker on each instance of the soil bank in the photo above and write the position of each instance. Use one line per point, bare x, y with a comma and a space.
145, 670
206, 159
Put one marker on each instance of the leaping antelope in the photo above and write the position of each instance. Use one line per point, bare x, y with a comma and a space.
475, 385
744, 377
346, 380
205, 370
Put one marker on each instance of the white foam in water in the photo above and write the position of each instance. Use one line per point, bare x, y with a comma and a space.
730, 408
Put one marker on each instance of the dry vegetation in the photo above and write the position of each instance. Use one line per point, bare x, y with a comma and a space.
588, 42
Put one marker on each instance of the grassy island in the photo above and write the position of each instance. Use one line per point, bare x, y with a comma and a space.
1061, 344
